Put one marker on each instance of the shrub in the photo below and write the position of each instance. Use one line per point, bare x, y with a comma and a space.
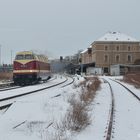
78, 116
6, 75
132, 78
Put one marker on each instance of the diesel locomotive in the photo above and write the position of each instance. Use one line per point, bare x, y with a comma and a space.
30, 68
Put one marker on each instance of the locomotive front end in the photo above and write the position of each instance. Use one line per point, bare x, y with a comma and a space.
25, 71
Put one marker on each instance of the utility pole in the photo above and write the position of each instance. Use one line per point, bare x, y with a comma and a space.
0, 54
11, 57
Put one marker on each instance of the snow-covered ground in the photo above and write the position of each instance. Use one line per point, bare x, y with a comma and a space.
127, 114
35, 117
35, 113
18, 91
132, 88
100, 116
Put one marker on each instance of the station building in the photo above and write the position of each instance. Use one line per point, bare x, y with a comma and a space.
114, 48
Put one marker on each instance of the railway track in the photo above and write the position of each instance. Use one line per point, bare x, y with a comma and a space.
6, 84
134, 95
111, 115
69, 82
109, 132
3, 106
11, 86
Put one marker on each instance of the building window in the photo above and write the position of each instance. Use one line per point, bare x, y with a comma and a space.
89, 51
117, 48
134, 48
117, 58
129, 58
106, 48
128, 48
106, 58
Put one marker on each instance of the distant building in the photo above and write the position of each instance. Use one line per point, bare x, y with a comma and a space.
57, 66
121, 69
112, 49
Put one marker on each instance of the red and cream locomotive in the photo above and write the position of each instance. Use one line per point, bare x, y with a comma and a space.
29, 68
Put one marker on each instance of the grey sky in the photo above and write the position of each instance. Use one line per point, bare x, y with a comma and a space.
62, 27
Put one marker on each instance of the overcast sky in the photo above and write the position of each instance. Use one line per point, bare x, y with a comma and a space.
62, 27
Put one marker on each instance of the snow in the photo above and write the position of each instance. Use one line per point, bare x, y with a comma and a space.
100, 116
18, 91
36, 116
39, 109
127, 114
132, 88
117, 37
84, 51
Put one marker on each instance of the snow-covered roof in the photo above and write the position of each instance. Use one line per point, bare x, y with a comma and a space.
117, 36
84, 51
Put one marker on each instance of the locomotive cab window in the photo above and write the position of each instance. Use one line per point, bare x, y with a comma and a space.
29, 56
19, 57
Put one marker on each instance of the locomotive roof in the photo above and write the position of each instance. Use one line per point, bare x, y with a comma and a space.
25, 52
39, 57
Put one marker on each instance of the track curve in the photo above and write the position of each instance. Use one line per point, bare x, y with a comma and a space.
27, 93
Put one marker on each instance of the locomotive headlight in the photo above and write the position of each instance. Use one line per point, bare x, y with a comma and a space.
23, 66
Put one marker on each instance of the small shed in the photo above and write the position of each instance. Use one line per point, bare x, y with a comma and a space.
122, 69
94, 71
115, 70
